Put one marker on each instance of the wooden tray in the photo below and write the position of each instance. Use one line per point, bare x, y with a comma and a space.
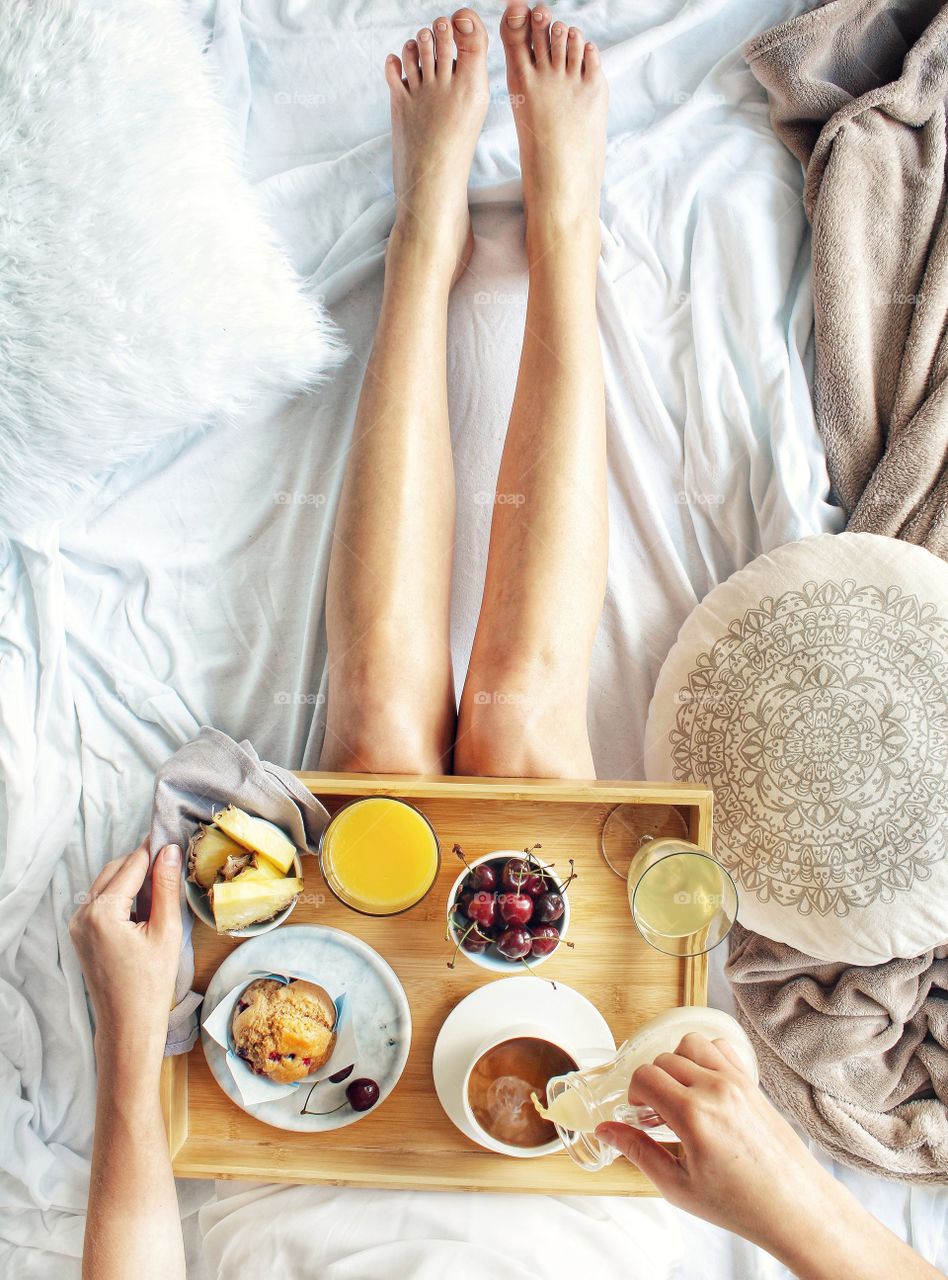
409, 1142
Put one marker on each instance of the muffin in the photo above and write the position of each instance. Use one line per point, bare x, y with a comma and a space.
284, 1030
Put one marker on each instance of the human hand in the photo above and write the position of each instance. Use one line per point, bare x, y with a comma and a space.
743, 1167
130, 967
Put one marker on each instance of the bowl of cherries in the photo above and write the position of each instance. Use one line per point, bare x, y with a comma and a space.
508, 908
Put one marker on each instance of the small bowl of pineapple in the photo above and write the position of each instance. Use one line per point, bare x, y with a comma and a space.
244, 874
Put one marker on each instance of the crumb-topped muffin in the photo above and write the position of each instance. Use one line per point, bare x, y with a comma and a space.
284, 1030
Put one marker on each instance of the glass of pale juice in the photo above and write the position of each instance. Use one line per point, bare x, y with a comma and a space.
379, 855
683, 901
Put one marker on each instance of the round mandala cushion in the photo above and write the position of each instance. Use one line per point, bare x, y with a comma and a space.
810, 691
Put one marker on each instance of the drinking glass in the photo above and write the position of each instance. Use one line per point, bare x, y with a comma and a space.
683, 901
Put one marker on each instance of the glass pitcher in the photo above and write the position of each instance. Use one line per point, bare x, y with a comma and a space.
580, 1100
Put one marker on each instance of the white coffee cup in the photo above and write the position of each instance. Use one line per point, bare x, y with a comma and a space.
515, 1032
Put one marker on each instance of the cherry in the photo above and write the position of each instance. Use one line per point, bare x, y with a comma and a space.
338, 1076
515, 908
549, 907
362, 1094
514, 943
482, 909
521, 876
515, 873
469, 936
544, 939
484, 876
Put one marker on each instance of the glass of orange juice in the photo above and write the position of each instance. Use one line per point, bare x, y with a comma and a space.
379, 855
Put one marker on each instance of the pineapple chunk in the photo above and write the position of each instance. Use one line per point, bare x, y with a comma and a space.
208, 850
242, 901
258, 875
264, 867
258, 835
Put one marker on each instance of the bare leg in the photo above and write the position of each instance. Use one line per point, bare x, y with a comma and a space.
523, 710
391, 689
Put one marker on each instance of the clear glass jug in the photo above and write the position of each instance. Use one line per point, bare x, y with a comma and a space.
580, 1100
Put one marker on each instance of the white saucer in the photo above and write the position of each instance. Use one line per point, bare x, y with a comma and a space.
507, 1002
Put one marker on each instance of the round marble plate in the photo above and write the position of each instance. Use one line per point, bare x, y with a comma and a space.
379, 1008
500, 1004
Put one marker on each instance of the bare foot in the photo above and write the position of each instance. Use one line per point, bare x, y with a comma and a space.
438, 107
560, 101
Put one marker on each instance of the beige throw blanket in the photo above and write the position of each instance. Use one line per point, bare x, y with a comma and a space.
857, 91
859, 1056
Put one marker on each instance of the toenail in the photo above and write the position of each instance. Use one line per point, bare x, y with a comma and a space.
425, 35
464, 24
573, 34
516, 20
557, 29
410, 44
442, 26
538, 15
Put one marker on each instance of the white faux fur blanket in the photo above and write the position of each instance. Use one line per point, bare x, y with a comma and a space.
140, 291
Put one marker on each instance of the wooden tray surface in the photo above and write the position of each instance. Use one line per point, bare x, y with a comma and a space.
409, 1142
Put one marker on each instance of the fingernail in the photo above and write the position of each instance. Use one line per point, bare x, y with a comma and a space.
516, 20
172, 855
464, 24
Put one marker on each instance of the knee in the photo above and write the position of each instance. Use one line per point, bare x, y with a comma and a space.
394, 740
517, 739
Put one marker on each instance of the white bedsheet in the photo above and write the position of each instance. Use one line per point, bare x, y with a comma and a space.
191, 590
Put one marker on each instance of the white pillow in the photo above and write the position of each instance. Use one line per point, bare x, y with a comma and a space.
140, 291
810, 691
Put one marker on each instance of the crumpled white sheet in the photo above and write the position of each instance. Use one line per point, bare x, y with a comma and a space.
191, 590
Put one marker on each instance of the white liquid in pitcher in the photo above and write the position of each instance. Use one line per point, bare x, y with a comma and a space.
607, 1086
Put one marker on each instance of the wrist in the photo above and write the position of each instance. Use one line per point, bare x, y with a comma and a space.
126, 1059
817, 1243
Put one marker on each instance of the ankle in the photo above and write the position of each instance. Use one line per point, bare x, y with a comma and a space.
554, 236
414, 247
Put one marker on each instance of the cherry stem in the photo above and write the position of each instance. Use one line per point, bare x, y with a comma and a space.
304, 1112
530, 969
453, 961
570, 878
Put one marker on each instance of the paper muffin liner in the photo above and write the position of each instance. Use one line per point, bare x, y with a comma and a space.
253, 1088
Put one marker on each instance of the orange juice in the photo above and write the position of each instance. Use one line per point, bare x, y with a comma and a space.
379, 855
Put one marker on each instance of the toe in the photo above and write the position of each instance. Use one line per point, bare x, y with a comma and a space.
426, 54
470, 38
574, 50
411, 70
393, 74
515, 34
444, 48
540, 35
558, 46
591, 61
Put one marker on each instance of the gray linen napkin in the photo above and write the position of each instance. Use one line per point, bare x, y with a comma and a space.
211, 771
